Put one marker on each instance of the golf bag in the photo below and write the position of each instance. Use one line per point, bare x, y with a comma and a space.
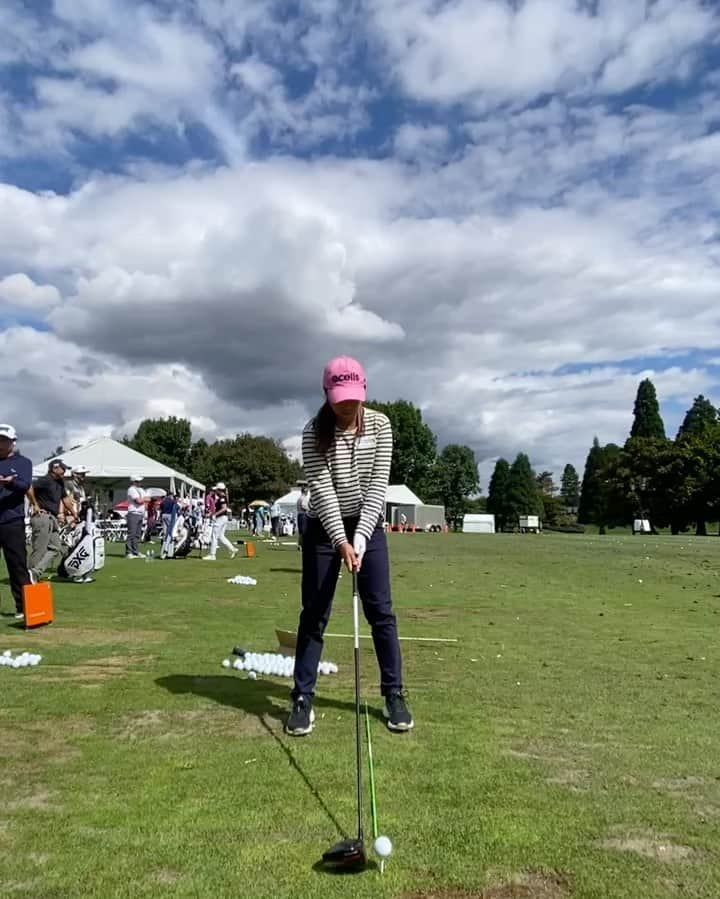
185, 534
87, 550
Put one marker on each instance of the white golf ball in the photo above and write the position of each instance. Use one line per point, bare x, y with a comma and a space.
252, 675
383, 846
237, 665
7, 653
226, 663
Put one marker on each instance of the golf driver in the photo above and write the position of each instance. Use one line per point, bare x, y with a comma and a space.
350, 854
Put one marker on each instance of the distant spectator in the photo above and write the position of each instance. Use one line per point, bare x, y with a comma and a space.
275, 519
48, 512
135, 516
152, 515
15, 480
169, 511
220, 523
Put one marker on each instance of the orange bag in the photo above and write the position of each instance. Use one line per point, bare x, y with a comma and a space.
38, 600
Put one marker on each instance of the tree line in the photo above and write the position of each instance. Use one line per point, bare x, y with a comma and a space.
257, 467
673, 482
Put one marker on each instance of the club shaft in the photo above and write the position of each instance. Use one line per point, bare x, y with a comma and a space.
358, 742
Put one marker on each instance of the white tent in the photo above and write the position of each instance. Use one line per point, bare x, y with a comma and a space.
400, 495
111, 464
288, 503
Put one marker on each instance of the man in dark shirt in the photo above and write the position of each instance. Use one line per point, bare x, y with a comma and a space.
15, 480
46, 503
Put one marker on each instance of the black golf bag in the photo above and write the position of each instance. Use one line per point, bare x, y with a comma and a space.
87, 550
185, 534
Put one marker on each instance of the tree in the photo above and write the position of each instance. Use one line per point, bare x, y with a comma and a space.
414, 445
545, 483
600, 498
497, 501
523, 494
251, 467
699, 418
166, 440
570, 487
456, 478
647, 421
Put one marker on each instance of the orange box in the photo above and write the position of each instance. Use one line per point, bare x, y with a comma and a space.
250, 549
38, 600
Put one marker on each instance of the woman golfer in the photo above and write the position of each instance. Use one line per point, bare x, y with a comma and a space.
347, 450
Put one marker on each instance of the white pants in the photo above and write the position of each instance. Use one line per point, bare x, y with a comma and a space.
218, 535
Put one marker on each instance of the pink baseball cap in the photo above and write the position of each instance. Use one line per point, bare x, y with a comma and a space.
344, 379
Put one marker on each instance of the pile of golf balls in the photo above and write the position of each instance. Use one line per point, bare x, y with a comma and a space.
22, 661
272, 663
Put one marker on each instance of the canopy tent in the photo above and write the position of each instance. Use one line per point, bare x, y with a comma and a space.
111, 463
288, 503
400, 500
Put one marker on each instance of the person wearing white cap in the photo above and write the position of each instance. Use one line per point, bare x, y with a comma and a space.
15, 480
220, 522
135, 516
76, 488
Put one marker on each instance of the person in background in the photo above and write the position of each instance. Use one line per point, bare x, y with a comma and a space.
259, 520
275, 518
347, 451
169, 512
303, 504
76, 498
152, 516
15, 480
47, 509
135, 516
220, 522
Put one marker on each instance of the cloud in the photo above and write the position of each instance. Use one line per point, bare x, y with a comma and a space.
495, 51
21, 292
501, 236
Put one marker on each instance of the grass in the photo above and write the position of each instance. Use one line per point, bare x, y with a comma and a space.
565, 747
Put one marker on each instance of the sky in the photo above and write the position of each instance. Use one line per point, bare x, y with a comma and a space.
506, 209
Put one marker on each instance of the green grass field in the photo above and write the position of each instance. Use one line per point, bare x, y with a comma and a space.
567, 746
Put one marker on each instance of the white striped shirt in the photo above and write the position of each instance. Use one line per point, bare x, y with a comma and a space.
351, 479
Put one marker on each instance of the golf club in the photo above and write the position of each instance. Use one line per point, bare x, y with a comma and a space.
350, 854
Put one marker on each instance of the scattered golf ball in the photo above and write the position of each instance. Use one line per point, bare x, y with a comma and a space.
226, 663
252, 675
383, 846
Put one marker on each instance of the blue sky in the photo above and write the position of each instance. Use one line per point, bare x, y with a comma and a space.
508, 211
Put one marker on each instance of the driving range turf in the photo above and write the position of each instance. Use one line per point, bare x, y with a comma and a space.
566, 746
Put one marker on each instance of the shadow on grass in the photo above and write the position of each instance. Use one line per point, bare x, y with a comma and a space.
260, 698
288, 570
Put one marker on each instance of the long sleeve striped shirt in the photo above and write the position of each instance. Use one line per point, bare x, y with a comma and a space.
351, 479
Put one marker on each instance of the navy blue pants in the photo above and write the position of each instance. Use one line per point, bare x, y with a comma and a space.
321, 566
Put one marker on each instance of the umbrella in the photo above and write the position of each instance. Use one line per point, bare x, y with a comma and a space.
258, 502
155, 492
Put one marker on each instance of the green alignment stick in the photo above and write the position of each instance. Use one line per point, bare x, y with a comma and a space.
373, 802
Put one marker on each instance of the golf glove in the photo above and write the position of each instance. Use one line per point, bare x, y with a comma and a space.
359, 545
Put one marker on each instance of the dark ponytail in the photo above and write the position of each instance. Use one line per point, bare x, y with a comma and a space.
325, 426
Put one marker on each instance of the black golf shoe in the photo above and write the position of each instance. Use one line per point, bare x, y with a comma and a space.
301, 717
397, 713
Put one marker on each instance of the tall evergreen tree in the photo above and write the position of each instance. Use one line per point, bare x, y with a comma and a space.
545, 483
590, 492
570, 487
523, 494
647, 421
700, 418
497, 499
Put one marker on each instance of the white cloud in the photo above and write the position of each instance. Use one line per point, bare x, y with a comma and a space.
21, 292
496, 51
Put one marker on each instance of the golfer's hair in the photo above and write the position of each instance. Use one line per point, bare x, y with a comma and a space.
325, 426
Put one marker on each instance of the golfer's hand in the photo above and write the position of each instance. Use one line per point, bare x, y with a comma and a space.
359, 547
347, 554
